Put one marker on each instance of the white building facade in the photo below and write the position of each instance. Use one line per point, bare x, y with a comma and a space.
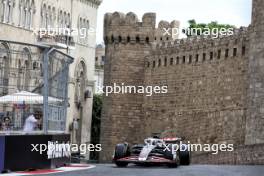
70, 26
99, 68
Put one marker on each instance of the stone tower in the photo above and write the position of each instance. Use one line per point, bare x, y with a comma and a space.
128, 42
255, 117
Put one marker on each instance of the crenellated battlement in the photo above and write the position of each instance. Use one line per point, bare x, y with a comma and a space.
203, 41
199, 49
127, 28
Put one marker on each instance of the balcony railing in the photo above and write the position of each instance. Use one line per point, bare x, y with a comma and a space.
63, 41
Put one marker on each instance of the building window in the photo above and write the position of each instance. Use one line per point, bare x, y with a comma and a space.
147, 39
226, 53
171, 61
84, 24
177, 60
35, 65
243, 50
137, 39
159, 63
204, 57
183, 59
219, 54
190, 59
48, 16
96, 59
235, 52
103, 58
4, 71
154, 64
60, 19
26, 13
6, 11
119, 39
165, 62
197, 58
211, 55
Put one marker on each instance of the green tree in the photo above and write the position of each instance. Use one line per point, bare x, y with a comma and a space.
96, 123
204, 27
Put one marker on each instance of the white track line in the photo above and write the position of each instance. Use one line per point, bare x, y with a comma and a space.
58, 170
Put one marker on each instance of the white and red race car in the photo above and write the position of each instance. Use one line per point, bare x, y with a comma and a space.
169, 151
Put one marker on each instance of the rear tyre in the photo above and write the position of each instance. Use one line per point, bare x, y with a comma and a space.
121, 151
184, 154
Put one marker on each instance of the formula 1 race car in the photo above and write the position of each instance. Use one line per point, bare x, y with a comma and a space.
169, 151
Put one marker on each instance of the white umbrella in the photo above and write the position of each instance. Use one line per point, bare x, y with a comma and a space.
27, 98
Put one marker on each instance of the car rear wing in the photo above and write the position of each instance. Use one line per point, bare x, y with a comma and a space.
173, 139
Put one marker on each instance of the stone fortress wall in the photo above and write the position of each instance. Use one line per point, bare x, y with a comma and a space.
209, 92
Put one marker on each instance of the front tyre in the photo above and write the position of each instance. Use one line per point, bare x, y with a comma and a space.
171, 154
121, 151
184, 154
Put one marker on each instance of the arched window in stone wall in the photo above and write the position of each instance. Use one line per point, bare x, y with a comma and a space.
43, 22
6, 11
68, 20
1, 10
26, 13
80, 23
24, 67
60, 19
53, 17
80, 75
64, 19
48, 16
83, 25
4, 68
34, 65
32, 10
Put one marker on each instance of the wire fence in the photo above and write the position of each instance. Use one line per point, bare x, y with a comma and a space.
33, 88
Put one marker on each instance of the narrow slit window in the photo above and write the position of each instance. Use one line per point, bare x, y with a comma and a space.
190, 59
211, 55
219, 54
165, 61
235, 52
243, 51
183, 59
204, 57
171, 61
197, 58
226, 53
177, 60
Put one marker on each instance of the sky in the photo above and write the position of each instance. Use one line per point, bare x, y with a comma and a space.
235, 12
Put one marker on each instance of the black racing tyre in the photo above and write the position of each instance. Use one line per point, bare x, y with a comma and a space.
184, 154
121, 151
168, 154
